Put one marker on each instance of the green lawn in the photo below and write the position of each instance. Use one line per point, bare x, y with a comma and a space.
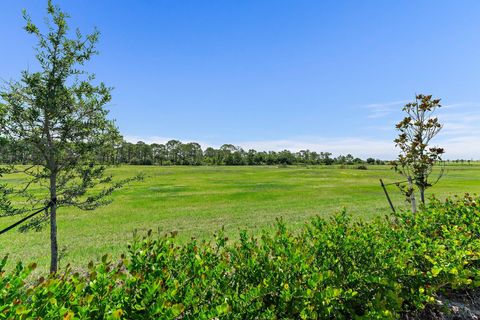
196, 201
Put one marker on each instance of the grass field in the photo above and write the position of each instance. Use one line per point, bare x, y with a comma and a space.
196, 201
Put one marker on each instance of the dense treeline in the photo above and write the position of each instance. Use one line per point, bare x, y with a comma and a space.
175, 152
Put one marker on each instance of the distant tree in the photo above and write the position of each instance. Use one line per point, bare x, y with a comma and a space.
59, 113
173, 151
143, 152
417, 159
341, 159
314, 158
261, 157
326, 158
127, 152
192, 154
251, 157
285, 157
349, 159
210, 156
304, 156
159, 152
272, 158
227, 154
370, 161
239, 157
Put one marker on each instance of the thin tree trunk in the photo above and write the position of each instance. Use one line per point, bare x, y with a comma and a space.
422, 194
413, 201
53, 224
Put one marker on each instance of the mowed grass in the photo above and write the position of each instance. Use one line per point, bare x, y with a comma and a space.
197, 201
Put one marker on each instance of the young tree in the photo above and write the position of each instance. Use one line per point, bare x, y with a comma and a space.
60, 114
417, 159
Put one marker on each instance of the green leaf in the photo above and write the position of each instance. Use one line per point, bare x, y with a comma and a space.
177, 309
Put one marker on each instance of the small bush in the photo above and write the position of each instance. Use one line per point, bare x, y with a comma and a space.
362, 167
332, 269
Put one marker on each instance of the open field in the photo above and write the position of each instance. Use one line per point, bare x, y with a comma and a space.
196, 201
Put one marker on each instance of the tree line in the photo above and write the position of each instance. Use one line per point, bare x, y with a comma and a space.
175, 152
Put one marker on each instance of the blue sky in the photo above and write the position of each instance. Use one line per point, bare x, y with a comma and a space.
325, 75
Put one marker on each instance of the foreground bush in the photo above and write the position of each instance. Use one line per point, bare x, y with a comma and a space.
336, 269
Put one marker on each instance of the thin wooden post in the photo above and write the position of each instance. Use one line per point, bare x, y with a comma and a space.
412, 195
388, 197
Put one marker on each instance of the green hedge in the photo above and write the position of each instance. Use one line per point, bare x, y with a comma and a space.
335, 269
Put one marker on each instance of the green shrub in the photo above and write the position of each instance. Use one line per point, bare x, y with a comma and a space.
335, 269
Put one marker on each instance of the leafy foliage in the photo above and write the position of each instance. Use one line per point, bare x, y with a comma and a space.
335, 269
417, 159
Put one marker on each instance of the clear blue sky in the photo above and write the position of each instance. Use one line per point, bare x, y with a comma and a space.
324, 75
